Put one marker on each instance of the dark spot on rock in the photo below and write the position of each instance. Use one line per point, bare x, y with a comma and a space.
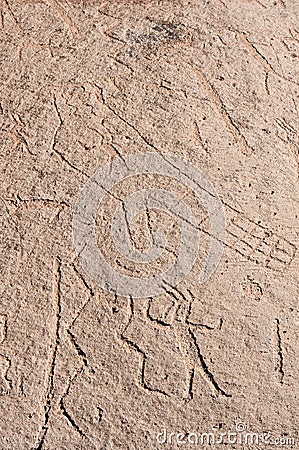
155, 35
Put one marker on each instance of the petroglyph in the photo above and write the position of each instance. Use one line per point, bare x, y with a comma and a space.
196, 101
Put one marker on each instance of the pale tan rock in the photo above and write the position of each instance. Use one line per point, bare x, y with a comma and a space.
85, 84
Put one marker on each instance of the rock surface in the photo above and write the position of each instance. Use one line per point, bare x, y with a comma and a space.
84, 84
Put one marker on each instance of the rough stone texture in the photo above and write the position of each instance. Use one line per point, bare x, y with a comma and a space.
82, 83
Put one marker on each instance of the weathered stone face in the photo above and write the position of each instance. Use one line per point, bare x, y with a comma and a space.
149, 160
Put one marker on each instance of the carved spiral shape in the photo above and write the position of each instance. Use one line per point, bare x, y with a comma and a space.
100, 184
